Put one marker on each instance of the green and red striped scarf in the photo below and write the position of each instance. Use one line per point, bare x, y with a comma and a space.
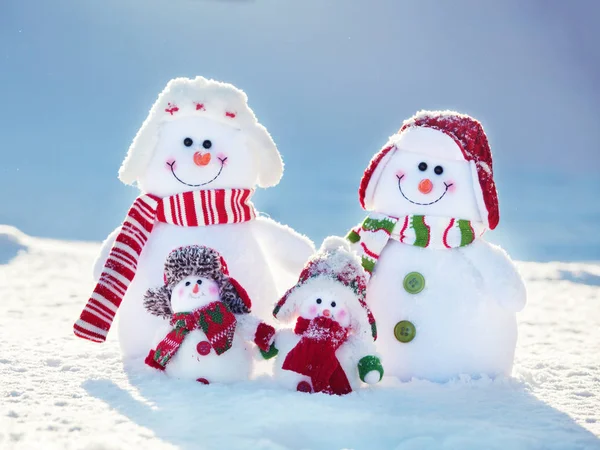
214, 319
440, 233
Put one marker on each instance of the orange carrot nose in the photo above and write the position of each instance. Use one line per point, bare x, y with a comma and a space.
326, 313
425, 186
200, 159
196, 289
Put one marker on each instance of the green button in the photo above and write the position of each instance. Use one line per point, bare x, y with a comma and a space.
414, 283
405, 331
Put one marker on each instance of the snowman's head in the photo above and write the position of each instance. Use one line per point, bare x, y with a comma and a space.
327, 298
201, 134
333, 285
195, 276
439, 164
194, 292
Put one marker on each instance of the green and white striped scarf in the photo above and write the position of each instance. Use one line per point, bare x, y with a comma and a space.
440, 233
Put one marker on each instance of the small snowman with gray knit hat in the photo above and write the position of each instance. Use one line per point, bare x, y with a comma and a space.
210, 326
331, 348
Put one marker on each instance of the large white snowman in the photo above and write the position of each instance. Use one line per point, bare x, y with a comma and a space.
444, 298
196, 159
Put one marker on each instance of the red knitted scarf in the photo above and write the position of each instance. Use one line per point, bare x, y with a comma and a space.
314, 356
217, 322
197, 208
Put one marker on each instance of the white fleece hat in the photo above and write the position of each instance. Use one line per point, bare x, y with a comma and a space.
214, 100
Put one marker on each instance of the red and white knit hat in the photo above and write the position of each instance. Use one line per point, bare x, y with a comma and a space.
336, 262
467, 140
210, 99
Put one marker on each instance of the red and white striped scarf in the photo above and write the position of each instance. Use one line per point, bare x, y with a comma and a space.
192, 209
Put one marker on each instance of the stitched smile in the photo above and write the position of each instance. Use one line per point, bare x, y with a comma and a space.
422, 204
201, 184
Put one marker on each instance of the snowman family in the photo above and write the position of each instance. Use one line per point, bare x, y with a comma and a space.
197, 274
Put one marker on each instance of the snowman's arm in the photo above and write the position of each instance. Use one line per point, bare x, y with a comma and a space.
501, 278
285, 247
368, 363
103, 254
254, 330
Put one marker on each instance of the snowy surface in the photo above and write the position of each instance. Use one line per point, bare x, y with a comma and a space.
67, 393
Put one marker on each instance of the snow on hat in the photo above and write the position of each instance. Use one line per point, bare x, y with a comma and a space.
214, 100
334, 261
466, 135
199, 261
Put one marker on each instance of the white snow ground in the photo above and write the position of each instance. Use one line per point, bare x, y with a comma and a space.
61, 392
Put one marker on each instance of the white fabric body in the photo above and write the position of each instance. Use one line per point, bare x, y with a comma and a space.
233, 365
464, 317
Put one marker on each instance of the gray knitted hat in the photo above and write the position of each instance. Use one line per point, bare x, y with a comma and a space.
203, 262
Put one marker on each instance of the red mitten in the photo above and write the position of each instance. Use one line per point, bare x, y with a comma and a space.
264, 336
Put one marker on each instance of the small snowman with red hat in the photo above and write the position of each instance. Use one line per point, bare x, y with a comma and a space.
444, 298
210, 325
331, 348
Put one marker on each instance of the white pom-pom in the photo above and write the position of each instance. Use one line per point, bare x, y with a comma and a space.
373, 377
333, 243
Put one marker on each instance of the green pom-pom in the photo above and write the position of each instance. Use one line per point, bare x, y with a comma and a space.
368, 364
272, 352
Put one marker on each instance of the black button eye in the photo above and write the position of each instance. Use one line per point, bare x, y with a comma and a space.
207, 144
188, 142
438, 170
333, 304
423, 166
319, 301
187, 283
199, 281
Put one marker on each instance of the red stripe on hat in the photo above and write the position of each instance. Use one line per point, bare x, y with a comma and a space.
364, 182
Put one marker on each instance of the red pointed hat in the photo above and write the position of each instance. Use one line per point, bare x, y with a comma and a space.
468, 135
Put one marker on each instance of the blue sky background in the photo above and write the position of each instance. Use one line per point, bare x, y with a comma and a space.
331, 80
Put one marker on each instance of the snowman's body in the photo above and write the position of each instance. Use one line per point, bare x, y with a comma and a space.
444, 299
323, 301
460, 326
191, 364
239, 245
347, 355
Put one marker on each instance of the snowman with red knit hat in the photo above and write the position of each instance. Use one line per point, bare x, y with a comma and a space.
444, 298
210, 328
331, 347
